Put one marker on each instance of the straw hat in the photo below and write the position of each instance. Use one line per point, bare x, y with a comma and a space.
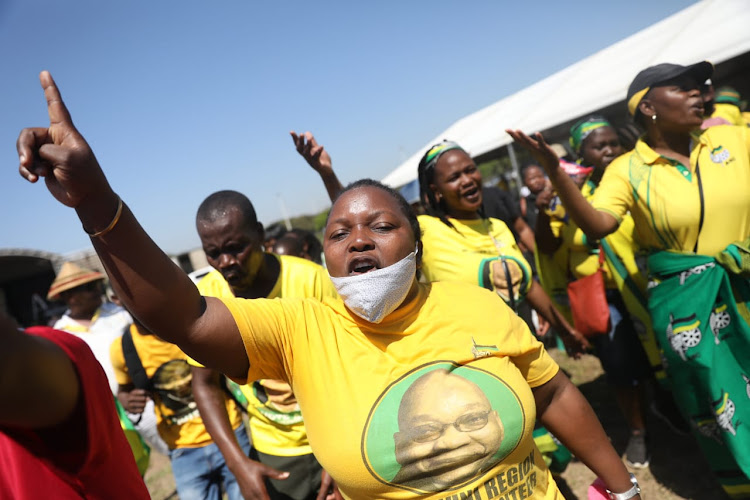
69, 277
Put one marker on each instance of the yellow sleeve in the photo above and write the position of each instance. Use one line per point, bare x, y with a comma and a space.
615, 194
266, 326
556, 226
118, 362
532, 359
193, 362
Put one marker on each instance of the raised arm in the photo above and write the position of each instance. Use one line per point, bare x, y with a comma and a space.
319, 159
155, 289
594, 223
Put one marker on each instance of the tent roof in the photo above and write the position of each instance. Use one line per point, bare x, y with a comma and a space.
713, 30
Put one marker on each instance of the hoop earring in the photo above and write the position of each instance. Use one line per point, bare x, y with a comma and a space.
653, 118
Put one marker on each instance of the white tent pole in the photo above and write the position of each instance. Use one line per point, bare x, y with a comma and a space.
514, 164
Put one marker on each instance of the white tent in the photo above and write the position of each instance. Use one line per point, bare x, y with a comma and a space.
713, 30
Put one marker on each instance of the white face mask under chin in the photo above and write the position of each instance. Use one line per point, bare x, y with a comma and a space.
373, 296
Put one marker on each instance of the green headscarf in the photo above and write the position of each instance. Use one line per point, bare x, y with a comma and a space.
431, 157
583, 129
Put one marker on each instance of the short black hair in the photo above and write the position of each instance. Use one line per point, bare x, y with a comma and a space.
528, 165
291, 243
312, 244
216, 206
403, 205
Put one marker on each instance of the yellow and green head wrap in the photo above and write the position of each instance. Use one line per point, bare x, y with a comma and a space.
583, 129
727, 95
431, 157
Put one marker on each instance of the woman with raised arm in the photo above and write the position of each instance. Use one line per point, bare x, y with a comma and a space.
688, 195
409, 390
623, 359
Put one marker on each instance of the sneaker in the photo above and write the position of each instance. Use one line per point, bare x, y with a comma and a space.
636, 454
666, 410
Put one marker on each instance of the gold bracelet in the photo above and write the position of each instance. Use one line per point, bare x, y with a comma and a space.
111, 225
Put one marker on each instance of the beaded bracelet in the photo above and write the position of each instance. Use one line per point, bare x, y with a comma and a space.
111, 225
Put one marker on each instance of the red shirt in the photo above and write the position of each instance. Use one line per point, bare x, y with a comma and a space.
85, 457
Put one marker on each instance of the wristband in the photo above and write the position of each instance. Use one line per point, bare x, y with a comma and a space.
627, 495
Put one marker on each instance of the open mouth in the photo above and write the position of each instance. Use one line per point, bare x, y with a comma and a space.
473, 195
232, 277
362, 265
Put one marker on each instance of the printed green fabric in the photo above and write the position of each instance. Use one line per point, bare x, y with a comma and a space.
705, 341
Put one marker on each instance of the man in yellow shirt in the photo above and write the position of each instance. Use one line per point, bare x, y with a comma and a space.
232, 239
199, 469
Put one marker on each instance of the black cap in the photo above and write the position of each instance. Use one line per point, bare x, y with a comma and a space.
654, 75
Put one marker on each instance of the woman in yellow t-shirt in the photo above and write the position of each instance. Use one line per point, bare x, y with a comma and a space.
461, 244
619, 350
409, 390
687, 193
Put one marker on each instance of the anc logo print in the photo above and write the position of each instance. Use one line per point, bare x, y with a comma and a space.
440, 426
683, 333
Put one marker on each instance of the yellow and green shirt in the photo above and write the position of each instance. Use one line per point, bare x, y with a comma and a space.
276, 423
465, 251
701, 207
432, 402
179, 428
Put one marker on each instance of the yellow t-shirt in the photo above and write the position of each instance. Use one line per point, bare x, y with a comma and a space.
433, 401
276, 422
466, 252
181, 425
668, 200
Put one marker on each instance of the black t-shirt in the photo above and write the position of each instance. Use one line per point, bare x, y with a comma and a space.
499, 204
531, 211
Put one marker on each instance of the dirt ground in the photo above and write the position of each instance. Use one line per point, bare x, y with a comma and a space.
677, 470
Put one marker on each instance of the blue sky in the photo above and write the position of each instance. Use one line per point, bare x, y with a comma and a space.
180, 99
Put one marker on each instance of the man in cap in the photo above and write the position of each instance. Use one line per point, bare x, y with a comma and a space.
88, 317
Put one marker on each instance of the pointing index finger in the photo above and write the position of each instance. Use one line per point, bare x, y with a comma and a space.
58, 113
